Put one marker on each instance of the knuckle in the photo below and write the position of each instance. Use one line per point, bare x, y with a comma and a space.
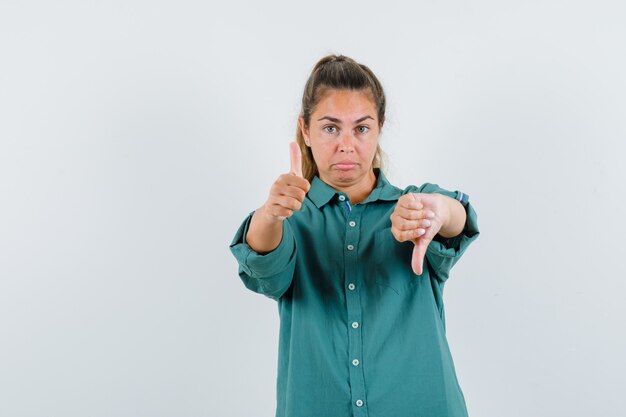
290, 203
276, 188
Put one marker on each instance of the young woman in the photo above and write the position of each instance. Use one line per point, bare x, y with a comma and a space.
356, 265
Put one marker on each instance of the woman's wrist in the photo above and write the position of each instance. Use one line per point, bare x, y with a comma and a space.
265, 232
453, 217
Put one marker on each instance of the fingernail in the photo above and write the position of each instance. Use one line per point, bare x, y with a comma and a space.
426, 223
421, 231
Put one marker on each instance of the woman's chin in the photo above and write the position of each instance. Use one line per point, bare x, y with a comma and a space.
346, 176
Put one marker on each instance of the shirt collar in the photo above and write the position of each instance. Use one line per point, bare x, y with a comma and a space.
321, 193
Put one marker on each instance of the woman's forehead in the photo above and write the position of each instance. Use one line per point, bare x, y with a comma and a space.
346, 105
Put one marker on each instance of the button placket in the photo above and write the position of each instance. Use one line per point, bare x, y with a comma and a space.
352, 275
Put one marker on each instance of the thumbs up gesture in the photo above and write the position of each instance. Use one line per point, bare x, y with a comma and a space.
289, 190
418, 217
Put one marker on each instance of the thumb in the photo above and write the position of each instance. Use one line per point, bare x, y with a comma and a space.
296, 159
417, 260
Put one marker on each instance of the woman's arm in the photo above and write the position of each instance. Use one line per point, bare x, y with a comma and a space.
265, 232
454, 219
286, 196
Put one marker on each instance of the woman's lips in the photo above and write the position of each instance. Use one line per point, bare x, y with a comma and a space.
345, 166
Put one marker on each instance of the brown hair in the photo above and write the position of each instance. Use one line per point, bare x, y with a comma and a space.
342, 73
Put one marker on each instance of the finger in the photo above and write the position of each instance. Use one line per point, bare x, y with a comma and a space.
293, 192
408, 235
410, 202
411, 214
415, 202
404, 224
296, 159
293, 180
278, 211
289, 203
417, 259
422, 199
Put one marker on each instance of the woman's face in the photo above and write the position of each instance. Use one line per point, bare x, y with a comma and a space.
343, 135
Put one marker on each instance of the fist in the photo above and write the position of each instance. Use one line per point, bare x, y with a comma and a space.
418, 217
289, 190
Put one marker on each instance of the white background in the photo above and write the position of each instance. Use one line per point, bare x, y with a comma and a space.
137, 135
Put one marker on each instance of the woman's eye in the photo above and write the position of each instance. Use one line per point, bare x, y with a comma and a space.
330, 127
363, 129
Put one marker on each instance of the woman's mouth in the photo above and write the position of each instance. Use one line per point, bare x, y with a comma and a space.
345, 166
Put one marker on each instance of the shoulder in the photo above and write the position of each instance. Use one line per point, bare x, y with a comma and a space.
429, 188
390, 188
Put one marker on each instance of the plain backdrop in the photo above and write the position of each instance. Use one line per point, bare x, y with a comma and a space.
137, 135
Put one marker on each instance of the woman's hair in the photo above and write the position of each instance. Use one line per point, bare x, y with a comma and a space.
341, 73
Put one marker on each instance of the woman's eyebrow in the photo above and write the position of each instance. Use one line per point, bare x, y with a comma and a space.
335, 120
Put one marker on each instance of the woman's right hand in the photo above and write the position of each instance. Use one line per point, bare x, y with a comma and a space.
286, 196
288, 191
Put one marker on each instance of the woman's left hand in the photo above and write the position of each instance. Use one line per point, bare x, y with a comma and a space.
418, 217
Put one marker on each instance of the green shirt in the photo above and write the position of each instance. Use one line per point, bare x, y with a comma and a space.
360, 333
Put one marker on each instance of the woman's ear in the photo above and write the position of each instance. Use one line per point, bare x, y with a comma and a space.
305, 132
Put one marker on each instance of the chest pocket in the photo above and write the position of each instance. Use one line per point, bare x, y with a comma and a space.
393, 262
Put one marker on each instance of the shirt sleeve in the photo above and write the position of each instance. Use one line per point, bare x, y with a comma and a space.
269, 274
443, 253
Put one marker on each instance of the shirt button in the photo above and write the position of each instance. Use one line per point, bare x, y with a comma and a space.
351, 286
355, 362
352, 223
359, 403
342, 198
355, 324
350, 247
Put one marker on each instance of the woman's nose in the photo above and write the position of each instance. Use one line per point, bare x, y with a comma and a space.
346, 142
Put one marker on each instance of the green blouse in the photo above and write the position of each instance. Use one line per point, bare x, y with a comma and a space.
360, 333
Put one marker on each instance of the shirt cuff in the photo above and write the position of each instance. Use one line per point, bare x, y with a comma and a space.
453, 245
255, 264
